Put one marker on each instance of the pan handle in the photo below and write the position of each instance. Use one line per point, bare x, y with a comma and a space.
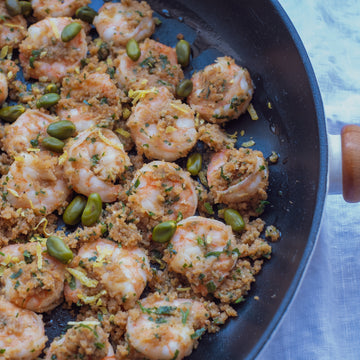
344, 163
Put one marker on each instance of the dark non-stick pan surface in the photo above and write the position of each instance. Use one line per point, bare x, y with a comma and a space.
260, 37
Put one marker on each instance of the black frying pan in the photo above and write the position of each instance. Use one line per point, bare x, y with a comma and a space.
259, 35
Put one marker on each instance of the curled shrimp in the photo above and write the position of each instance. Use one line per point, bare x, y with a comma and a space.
95, 160
162, 329
157, 66
32, 279
163, 128
22, 333
222, 91
44, 56
161, 191
8, 71
119, 272
117, 23
84, 340
3, 87
12, 28
35, 181
26, 132
238, 176
203, 251
89, 99
56, 8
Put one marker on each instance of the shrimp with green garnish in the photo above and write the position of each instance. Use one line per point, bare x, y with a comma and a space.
163, 128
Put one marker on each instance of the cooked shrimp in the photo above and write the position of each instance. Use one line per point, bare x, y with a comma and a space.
32, 279
36, 181
122, 273
56, 8
12, 28
45, 57
161, 191
117, 23
222, 91
95, 160
85, 340
3, 87
89, 99
26, 132
163, 128
22, 333
162, 329
8, 71
156, 66
238, 176
203, 251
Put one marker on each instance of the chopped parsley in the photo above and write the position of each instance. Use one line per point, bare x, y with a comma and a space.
28, 257
261, 206
16, 275
211, 287
198, 333
184, 315
175, 355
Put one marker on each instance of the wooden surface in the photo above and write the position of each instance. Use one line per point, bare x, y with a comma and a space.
350, 146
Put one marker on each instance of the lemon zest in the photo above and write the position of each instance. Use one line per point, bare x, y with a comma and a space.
39, 255
110, 143
31, 204
221, 212
103, 253
140, 94
54, 29
10, 53
13, 192
104, 310
97, 41
39, 239
183, 289
99, 302
79, 274
248, 143
177, 107
208, 239
14, 26
197, 119
126, 113
88, 323
63, 158
45, 221
170, 129
91, 299
252, 112
8, 259
4, 52
20, 212
18, 158
123, 132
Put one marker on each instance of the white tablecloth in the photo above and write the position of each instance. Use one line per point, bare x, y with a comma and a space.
323, 320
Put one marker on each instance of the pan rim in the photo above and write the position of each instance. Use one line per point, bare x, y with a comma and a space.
321, 185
